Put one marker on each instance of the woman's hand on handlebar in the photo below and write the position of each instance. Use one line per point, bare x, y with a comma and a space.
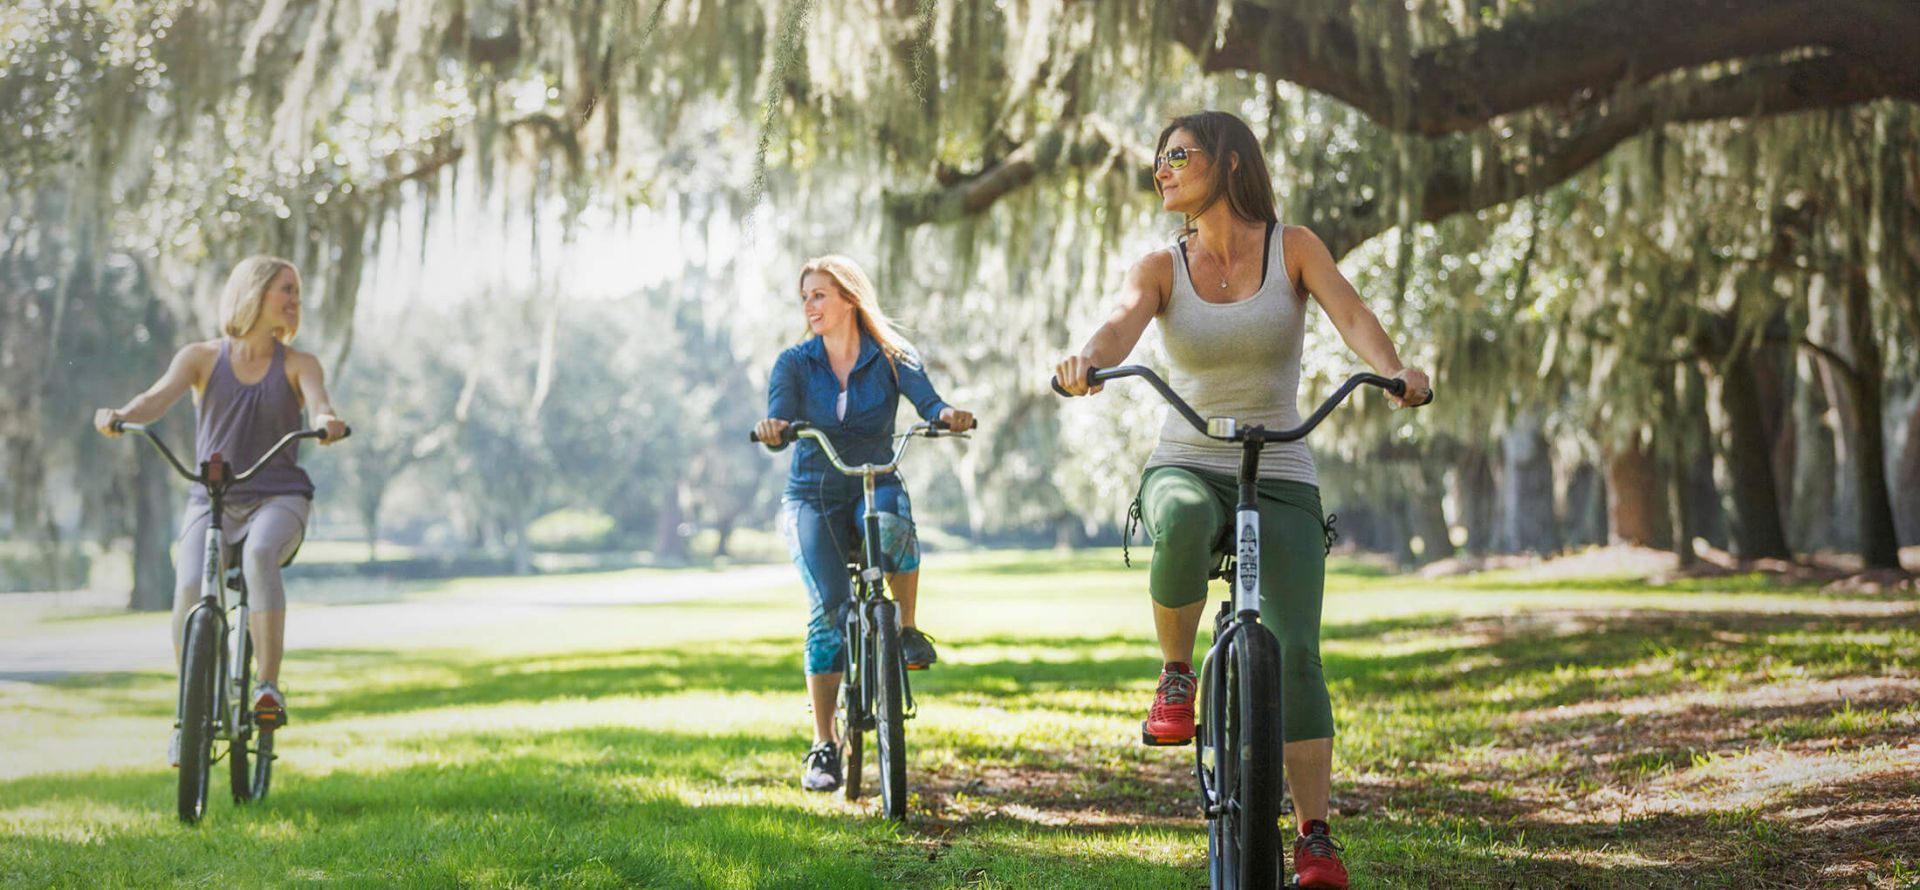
957, 420
771, 432
103, 420
1419, 389
335, 427
1072, 374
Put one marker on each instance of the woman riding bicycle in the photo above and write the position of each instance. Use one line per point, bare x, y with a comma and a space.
249, 387
846, 379
1229, 295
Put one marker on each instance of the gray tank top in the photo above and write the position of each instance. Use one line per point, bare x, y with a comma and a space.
1239, 360
241, 421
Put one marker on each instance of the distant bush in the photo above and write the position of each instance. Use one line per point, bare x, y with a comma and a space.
571, 530
26, 566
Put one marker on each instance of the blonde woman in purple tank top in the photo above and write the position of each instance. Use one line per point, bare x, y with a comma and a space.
1230, 298
249, 388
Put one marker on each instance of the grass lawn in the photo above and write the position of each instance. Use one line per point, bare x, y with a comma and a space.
1494, 732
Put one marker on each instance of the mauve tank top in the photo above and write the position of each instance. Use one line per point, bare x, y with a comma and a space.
241, 421
1239, 360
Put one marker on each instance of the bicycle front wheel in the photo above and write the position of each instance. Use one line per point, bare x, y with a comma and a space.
889, 707
1244, 831
199, 675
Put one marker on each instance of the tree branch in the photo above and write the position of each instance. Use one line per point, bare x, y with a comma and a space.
1589, 50
1086, 144
1834, 360
1345, 222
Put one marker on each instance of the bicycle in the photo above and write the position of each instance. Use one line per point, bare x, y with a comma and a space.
875, 694
1239, 738
213, 705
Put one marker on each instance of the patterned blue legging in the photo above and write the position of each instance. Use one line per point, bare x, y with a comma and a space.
821, 537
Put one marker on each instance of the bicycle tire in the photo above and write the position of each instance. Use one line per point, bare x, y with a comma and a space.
889, 711
250, 760
1252, 772
199, 675
850, 720
238, 771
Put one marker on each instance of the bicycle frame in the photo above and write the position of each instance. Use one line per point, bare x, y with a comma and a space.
1239, 637
218, 477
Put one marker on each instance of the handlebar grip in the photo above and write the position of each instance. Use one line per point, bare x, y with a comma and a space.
788, 436
1398, 387
345, 431
118, 426
1055, 382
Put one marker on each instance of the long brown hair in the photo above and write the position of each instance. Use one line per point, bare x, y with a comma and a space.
858, 289
1246, 186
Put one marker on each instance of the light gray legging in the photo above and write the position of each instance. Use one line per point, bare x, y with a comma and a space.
268, 533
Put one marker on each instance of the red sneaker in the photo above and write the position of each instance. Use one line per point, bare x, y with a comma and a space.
269, 707
1316, 859
1170, 720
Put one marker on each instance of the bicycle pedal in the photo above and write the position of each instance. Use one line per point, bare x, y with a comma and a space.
918, 667
270, 720
1154, 741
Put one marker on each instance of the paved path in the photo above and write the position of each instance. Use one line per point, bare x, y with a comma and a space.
36, 644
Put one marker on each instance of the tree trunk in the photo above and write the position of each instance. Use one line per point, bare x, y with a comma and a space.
1681, 507
1427, 516
1908, 508
723, 529
1527, 523
153, 534
370, 498
1879, 544
1636, 495
1476, 494
1586, 507
1745, 468
669, 545
522, 547
1815, 461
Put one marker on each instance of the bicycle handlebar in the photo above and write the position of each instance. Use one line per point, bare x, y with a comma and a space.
1101, 375
936, 429
121, 426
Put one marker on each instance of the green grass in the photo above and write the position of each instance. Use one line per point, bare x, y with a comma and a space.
1589, 733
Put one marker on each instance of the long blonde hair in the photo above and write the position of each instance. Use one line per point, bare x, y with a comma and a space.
246, 289
857, 288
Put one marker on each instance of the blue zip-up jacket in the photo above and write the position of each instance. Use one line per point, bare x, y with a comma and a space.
802, 387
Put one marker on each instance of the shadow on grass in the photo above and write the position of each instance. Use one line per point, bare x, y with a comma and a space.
585, 807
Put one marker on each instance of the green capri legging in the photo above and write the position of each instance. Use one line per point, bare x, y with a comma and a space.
1186, 510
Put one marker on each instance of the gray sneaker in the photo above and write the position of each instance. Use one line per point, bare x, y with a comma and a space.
173, 749
822, 768
917, 648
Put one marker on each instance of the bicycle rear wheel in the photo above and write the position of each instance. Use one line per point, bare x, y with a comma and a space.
850, 720
250, 760
889, 711
1242, 733
199, 677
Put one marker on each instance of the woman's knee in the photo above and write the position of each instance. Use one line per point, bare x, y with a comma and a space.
1181, 514
899, 543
